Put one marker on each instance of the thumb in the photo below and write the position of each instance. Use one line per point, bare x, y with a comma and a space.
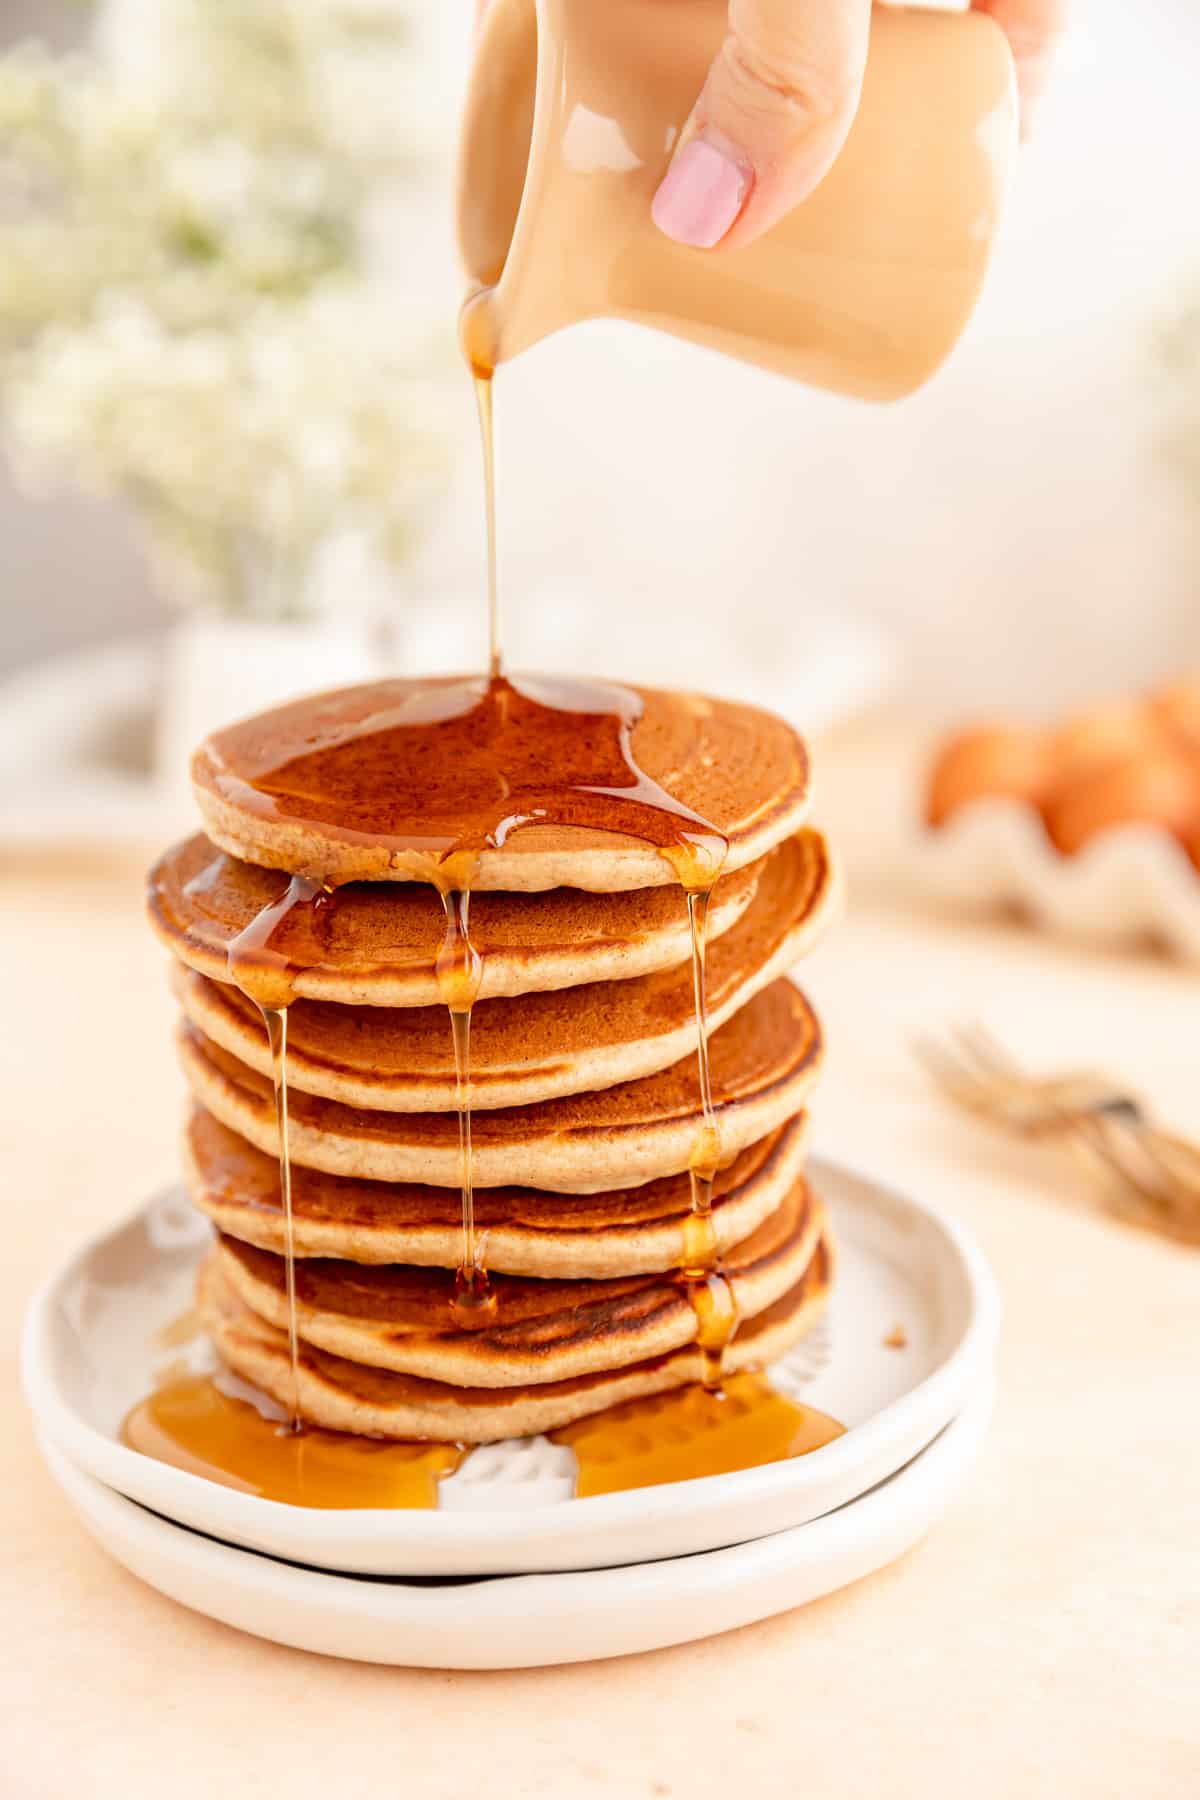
771, 117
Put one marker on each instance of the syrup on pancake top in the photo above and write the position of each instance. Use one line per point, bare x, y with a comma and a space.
543, 782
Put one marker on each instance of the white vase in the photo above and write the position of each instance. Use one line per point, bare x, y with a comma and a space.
217, 670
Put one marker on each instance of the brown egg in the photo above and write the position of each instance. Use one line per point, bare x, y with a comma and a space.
1000, 761
1160, 787
1177, 706
1117, 729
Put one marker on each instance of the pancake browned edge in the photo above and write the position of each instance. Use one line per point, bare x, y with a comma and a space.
345, 1396
402, 1318
744, 770
378, 946
629, 1231
763, 1063
539, 1046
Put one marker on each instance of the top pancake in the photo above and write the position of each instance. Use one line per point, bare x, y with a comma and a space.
378, 944
378, 783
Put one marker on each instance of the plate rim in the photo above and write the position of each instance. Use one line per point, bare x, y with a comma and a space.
501, 1533
867, 1533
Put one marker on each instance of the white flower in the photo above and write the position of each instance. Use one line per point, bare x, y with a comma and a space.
186, 316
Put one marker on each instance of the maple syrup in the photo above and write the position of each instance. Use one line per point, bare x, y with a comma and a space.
487, 435
477, 760
268, 979
459, 974
692, 1432
697, 858
191, 1423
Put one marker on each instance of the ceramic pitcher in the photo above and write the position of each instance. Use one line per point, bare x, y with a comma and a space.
573, 110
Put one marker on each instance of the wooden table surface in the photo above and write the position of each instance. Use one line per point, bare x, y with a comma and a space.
1045, 1640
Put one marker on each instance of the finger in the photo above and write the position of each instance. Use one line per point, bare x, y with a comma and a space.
771, 117
1034, 29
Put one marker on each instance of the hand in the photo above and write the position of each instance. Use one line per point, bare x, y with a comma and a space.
781, 97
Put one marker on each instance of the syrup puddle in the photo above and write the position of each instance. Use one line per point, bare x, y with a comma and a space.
191, 1424
692, 1432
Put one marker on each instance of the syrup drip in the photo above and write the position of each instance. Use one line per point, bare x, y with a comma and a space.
711, 1295
268, 979
698, 863
487, 437
697, 860
275, 1020
479, 762
193, 1425
459, 973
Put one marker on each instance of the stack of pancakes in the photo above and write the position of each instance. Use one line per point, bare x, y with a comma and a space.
584, 1084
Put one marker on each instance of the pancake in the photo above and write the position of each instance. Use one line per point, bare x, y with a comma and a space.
540, 1046
401, 1318
327, 787
346, 1396
379, 942
630, 1231
763, 1062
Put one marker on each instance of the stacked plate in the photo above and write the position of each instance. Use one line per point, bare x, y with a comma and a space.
512, 1570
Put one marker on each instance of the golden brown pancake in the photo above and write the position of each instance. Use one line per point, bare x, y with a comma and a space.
377, 944
764, 1062
630, 1231
347, 1396
540, 1046
401, 1318
312, 787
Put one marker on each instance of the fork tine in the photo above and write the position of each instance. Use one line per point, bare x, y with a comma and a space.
1174, 1214
946, 1069
1153, 1178
954, 1053
1135, 1156
970, 1078
1160, 1157
966, 1052
960, 1082
988, 1052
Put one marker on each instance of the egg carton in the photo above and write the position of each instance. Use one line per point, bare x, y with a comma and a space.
1131, 885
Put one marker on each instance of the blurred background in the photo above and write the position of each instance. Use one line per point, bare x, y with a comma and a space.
241, 459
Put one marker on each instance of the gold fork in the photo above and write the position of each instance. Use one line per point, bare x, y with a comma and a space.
1154, 1176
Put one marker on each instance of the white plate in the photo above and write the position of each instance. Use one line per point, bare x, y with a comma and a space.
529, 1621
93, 1340
1130, 885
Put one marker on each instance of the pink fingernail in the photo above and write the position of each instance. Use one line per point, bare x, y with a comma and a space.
701, 195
